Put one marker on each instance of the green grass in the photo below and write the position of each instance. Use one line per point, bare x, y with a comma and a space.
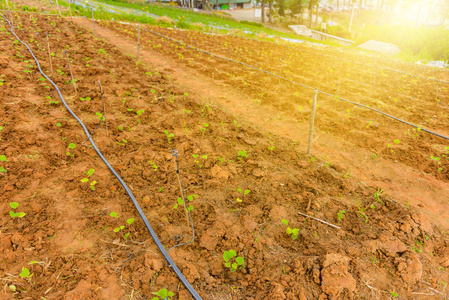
210, 20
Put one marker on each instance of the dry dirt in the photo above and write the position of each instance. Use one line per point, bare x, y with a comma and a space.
396, 243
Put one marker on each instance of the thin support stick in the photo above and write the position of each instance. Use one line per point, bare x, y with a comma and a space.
93, 20
324, 222
49, 55
138, 41
312, 122
70, 10
71, 73
438, 91
182, 192
7, 4
104, 108
59, 9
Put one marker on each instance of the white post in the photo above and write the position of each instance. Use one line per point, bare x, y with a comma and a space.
93, 19
352, 16
312, 122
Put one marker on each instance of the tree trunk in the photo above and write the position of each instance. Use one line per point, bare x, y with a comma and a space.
281, 8
310, 14
263, 11
270, 18
316, 17
360, 6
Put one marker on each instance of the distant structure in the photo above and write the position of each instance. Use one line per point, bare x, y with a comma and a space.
230, 4
380, 47
318, 35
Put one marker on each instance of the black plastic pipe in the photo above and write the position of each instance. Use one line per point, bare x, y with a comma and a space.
128, 191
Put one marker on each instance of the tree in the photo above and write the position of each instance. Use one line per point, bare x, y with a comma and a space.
312, 3
281, 4
263, 11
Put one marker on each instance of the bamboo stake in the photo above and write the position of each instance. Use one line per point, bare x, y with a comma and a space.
138, 42
49, 55
324, 222
312, 122
93, 20
71, 73
59, 9
7, 4
70, 10
104, 108
180, 188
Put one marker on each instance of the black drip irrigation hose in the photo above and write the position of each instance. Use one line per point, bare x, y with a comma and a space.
167, 257
300, 84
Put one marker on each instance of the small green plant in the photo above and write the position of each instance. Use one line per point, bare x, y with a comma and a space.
118, 229
293, 232
245, 192
377, 195
86, 180
242, 154
153, 165
203, 129
394, 294
71, 146
85, 99
13, 214
3, 158
26, 274
231, 255
362, 212
341, 215
197, 159
437, 159
169, 136
163, 294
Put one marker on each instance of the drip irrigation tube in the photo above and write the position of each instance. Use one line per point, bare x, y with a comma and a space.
300, 84
128, 191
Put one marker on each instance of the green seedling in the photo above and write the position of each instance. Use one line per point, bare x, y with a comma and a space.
169, 136
3, 158
124, 142
85, 99
197, 159
229, 256
71, 146
203, 129
246, 192
362, 212
293, 232
180, 202
437, 159
377, 196
242, 154
163, 294
153, 165
394, 295
118, 229
13, 214
100, 115
86, 180
341, 215
26, 274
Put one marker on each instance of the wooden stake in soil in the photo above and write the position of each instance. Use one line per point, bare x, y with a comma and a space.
180, 187
312, 121
71, 74
49, 55
93, 19
59, 9
104, 108
324, 222
138, 41
70, 10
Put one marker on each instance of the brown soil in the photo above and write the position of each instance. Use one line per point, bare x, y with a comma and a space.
396, 243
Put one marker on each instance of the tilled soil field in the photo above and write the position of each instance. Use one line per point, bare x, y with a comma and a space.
77, 239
